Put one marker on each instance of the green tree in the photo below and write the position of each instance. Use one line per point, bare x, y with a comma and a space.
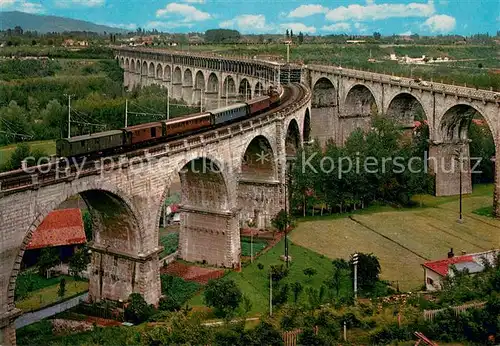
49, 257
377, 35
79, 262
296, 289
368, 271
287, 34
87, 224
224, 296
265, 334
62, 288
137, 310
301, 37
222, 35
310, 272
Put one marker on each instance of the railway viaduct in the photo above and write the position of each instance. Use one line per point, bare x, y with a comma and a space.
227, 175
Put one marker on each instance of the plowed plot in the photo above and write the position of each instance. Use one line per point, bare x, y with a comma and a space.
192, 273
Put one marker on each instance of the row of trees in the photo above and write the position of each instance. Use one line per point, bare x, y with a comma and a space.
369, 167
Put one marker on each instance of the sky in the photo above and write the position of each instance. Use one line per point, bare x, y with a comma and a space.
431, 17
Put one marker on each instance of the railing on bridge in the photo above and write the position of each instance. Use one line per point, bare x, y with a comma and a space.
478, 94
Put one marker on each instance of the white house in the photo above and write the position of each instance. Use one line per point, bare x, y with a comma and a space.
435, 271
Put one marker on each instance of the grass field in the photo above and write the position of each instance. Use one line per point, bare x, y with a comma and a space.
404, 239
48, 146
48, 295
254, 282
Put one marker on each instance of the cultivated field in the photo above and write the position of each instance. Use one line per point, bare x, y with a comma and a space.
404, 239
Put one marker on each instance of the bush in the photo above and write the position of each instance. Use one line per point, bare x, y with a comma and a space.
223, 295
137, 310
177, 292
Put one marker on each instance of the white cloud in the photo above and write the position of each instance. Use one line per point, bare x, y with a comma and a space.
188, 12
440, 23
299, 27
337, 27
83, 3
307, 10
380, 11
21, 5
130, 27
194, 1
406, 33
248, 23
30, 7
158, 25
6, 3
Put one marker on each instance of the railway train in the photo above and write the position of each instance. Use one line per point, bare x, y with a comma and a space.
137, 136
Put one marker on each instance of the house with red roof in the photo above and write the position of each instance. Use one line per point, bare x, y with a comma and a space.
436, 271
62, 229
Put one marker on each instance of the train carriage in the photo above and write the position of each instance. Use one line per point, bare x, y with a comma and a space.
86, 144
259, 104
190, 123
230, 113
144, 132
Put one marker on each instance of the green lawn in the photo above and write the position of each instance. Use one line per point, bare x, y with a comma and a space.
255, 282
49, 295
403, 239
170, 243
246, 248
48, 146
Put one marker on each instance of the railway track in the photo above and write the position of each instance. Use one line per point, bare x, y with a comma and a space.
67, 169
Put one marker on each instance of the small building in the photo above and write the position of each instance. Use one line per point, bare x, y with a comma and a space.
436, 271
61, 229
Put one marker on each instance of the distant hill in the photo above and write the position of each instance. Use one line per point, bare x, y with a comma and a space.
43, 24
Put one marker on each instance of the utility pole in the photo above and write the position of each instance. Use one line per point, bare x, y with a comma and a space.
201, 100
168, 105
126, 112
227, 90
69, 114
355, 262
286, 221
270, 292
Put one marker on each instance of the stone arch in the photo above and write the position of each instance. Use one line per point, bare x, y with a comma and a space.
229, 86
204, 185
144, 70
159, 71
137, 67
132, 65
127, 65
151, 70
454, 123
259, 89
259, 161
213, 83
292, 140
360, 101
177, 78
199, 80
307, 127
188, 78
406, 108
167, 73
324, 94
245, 89
122, 62
108, 206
